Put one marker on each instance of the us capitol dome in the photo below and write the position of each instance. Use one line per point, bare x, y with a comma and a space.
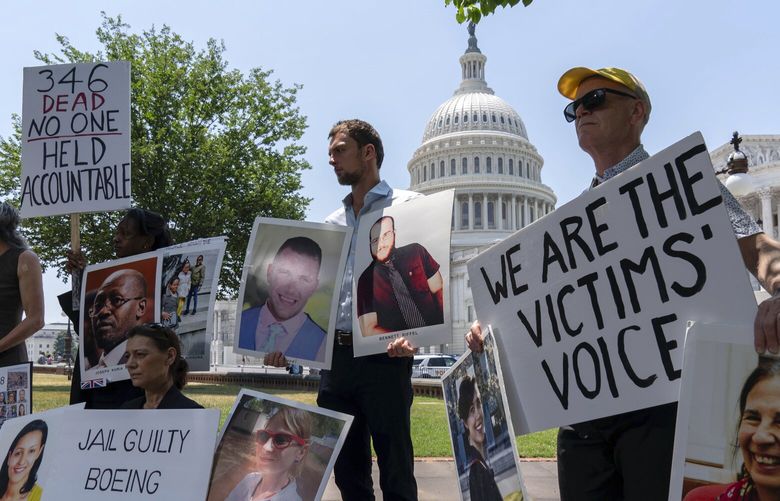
476, 144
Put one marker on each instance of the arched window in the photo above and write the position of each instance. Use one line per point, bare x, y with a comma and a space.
491, 215
502, 120
489, 165
464, 166
447, 122
433, 170
465, 117
441, 168
477, 214
464, 215
500, 165
484, 117
440, 121
475, 117
457, 117
476, 165
493, 117
511, 167
452, 167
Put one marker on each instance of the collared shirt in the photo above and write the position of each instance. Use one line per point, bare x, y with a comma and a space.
379, 197
113, 357
377, 295
743, 224
263, 332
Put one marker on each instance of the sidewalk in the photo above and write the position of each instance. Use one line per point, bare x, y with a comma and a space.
436, 480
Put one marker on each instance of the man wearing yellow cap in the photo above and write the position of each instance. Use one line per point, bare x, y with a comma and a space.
628, 456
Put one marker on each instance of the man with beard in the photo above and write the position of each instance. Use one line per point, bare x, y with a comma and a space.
402, 287
120, 304
375, 389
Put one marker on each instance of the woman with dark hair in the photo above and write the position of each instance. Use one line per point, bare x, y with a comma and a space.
281, 444
156, 366
758, 437
482, 483
170, 302
20, 467
139, 231
21, 290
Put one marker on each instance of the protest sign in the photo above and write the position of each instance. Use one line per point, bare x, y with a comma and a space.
75, 138
402, 275
589, 303
483, 440
289, 292
15, 391
188, 291
117, 295
266, 435
719, 359
128, 454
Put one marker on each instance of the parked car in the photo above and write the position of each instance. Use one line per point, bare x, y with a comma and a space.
433, 365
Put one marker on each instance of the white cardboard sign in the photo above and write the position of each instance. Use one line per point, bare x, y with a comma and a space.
589, 304
75, 138
127, 454
412, 238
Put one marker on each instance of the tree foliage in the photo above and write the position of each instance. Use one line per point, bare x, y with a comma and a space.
211, 148
473, 10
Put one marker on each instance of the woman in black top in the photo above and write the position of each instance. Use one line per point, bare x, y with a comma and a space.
155, 365
138, 232
21, 290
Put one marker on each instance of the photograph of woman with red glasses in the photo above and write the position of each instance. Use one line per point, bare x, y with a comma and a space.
281, 444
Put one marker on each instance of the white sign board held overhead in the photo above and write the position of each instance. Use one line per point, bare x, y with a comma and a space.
75, 138
589, 304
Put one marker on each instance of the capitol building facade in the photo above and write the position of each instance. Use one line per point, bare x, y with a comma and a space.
476, 144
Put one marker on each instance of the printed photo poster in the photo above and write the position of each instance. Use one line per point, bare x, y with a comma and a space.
483, 440
289, 291
402, 275
589, 304
265, 434
15, 391
75, 138
28, 446
116, 296
111, 454
188, 290
717, 431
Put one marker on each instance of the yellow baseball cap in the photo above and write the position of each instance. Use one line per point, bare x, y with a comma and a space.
571, 80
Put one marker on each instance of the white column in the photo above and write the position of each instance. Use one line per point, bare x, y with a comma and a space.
484, 211
536, 209
454, 281
766, 210
513, 214
471, 211
525, 211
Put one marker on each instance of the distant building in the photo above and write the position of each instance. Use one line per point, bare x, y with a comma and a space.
477, 144
43, 340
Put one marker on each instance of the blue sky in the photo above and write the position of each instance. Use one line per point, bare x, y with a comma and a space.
708, 66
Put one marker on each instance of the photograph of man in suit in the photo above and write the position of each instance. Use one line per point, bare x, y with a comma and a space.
281, 324
119, 305
402, 287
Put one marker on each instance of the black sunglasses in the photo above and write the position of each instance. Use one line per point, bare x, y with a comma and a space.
591, 101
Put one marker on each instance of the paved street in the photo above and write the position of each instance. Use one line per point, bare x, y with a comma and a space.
436, 480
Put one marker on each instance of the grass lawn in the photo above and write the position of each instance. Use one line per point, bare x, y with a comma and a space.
430, 433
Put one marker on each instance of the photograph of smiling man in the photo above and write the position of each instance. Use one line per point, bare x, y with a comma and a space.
287, 301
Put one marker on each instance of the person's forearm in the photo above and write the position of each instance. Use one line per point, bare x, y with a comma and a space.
26, 328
